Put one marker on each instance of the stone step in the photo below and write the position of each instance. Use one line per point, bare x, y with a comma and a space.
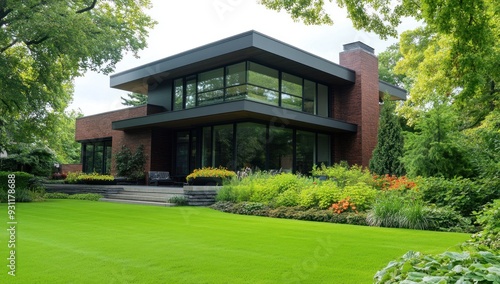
152, 189
140, 202
162, 198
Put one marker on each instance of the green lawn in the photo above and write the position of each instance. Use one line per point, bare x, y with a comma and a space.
71, 241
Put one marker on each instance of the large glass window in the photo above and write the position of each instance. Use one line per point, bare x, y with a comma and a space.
178, 94
182, 153
97, 157
264, 84
251, 146
210, 85
191, 92
305, 151
206, 158
323, 105
309, 97
280, 145
223, 146
324, 150
251, 81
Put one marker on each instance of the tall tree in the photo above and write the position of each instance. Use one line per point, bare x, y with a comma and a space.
388, 153
135, 99
44, 45
458, 40
437, 146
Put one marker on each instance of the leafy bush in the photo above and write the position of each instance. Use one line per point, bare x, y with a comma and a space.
72, 177
361, 194
448, 267
288, 198
130, 164
447, 219
25, 188
326, 194
343, 175
86, 196
178, 200
463, 195
93, 178
56, 195
489, 219
220, 172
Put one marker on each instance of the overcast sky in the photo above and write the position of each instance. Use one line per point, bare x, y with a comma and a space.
186, 24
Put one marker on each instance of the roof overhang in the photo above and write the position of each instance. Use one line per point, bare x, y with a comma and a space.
395, 92
250, 45
235, 111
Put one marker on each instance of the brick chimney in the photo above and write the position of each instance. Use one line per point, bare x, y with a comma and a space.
358, 104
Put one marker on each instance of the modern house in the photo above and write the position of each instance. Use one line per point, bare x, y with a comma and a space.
244, 101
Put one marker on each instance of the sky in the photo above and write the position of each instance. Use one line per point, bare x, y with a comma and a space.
187, 24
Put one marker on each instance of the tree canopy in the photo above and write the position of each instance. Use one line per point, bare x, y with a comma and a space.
44, 45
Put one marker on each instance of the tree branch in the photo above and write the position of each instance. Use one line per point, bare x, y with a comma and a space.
38, 41
87, 8
8, 46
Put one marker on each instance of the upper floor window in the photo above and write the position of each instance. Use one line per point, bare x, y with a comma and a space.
251, 81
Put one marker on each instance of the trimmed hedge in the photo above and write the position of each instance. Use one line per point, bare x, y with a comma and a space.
295, 212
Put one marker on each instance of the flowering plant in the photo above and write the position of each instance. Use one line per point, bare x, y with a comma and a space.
343, 206
393, 182
220, 172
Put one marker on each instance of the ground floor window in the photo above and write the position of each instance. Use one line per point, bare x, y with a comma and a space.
96, 157
251, 145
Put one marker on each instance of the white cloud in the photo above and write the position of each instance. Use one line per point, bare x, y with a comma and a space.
187, 24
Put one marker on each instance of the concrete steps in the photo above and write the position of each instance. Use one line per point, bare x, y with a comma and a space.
146, 195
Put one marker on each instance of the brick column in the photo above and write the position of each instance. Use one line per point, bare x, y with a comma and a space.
359, 103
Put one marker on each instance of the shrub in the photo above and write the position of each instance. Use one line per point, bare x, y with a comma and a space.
86, 196
59, 176
24, 187
56, 195
361, 194
327, 193
220, 172
448, 267
72, 177
342, 174
489, 219
178, 200
344, 205
130, 164
288, 198
249, 208
463, 195
447, 219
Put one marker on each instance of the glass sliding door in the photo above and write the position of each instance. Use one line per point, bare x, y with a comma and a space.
324, 150
305, 154
223, 150
182, 153
280, 146
251, 146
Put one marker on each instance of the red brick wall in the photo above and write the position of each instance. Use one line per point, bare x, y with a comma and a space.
65, 168
99, 126
358, 104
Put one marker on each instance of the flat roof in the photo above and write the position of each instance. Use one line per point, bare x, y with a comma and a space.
250, 45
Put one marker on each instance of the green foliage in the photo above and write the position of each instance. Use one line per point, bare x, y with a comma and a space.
343, 174
388, 152
32, 158
26, 188
93, 178
220, 172
178, 200
489, 237
44, 45
361, 194
461, 194
56, 195
86, 196
434, 150
135, 99
445, 218
448, 267
130, 164
288, 198
393, 209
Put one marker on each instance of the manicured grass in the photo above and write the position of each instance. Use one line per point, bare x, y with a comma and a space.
72, 241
